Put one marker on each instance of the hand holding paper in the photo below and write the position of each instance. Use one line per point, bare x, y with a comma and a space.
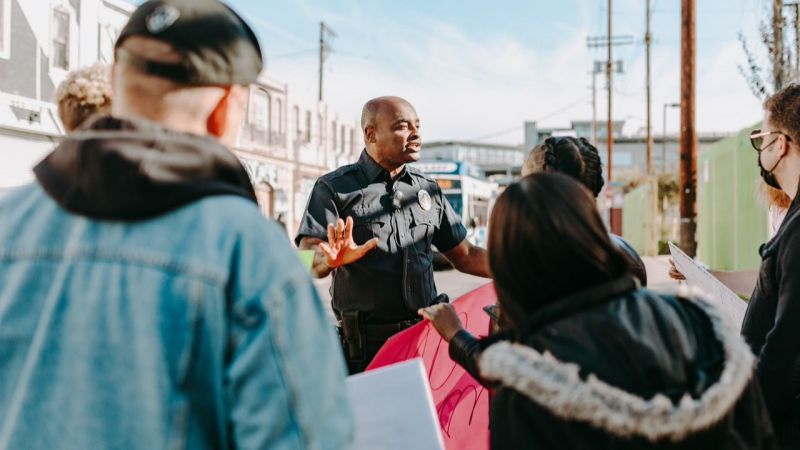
723, 298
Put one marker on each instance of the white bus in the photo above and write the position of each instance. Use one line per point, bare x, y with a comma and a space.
469, 192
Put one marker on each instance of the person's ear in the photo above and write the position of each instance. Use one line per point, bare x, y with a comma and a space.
369, 134
785, 146
217, 123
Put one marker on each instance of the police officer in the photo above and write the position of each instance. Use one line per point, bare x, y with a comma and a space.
372, 225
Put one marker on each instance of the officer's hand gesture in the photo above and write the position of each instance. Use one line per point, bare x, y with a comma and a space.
340, 248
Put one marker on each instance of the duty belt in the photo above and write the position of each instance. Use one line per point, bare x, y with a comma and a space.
379, 332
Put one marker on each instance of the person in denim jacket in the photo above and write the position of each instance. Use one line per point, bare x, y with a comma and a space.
144, 301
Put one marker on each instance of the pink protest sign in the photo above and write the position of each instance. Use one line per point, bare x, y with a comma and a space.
462, 404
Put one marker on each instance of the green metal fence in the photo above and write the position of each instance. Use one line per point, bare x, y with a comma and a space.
634, 217
732, 223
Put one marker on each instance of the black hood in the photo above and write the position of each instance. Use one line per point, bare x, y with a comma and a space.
131, 170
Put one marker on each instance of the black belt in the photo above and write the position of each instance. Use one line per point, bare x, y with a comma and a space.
379, 332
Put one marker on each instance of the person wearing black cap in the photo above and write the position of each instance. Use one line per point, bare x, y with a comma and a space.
144, 301
372, 224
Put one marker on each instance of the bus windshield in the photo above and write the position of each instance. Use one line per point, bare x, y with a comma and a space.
456, 202
466, 189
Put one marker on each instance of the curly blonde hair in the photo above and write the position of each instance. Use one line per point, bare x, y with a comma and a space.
83, 93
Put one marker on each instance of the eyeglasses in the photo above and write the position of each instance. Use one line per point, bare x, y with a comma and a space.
757, 138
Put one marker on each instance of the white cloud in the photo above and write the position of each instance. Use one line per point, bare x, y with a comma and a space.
724, 101
464, 86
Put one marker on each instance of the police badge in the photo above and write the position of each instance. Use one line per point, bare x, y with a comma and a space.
424, 199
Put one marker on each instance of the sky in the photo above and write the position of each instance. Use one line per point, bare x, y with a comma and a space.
479, 69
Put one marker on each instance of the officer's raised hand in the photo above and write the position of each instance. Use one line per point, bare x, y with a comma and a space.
341, 249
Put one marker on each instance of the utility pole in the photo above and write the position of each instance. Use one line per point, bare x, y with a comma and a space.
652, 210
777, 44
610, 131
647, 40
594, 107
596, 70
796, 7
321, 57
688, 181
599, 68
324, 50
609, 42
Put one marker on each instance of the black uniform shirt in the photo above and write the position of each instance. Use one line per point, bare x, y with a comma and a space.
407, 215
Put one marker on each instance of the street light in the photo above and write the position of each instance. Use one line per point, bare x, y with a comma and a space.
664, 136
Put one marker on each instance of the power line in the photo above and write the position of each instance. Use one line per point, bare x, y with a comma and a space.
325, 32
538, 119
496, 134
565, 108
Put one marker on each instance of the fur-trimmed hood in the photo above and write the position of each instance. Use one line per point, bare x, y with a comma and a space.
558, 388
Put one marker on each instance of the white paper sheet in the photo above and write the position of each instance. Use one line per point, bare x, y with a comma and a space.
394, 408
731, 306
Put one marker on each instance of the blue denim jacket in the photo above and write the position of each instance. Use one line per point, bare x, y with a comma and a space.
197, 329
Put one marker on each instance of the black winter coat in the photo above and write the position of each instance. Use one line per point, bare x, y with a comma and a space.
617, 367
772, 327
635, 261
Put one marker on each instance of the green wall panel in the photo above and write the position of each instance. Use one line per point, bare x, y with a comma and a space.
732, 223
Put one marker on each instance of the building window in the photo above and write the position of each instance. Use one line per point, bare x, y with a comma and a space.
279, 107
334, 131
260, 110
107, 37
352, 141
296, 114
342, 141
60, 56
5, 28
308, 126
321, 131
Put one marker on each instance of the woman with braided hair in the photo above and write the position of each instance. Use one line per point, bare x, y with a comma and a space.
578, 158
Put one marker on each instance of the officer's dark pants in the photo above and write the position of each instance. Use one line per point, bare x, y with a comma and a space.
374, 336
354, 367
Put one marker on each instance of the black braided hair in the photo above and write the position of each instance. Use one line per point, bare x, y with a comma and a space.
562, 154
593, 171
575, 157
